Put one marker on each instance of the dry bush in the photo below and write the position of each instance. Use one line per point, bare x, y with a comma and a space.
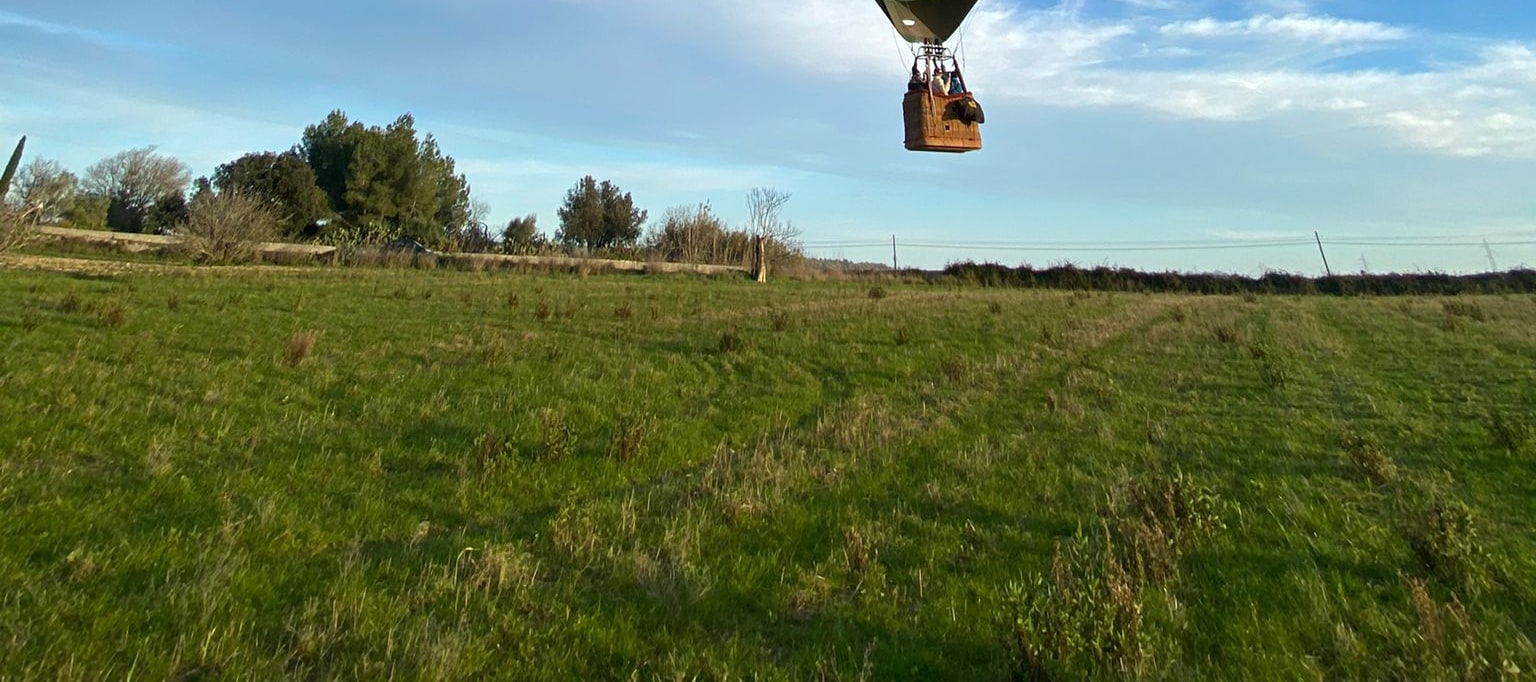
227, 227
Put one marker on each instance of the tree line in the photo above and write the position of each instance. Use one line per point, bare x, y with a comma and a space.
1128, 280
350, 184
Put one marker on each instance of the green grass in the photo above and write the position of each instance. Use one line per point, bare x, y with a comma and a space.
319, 473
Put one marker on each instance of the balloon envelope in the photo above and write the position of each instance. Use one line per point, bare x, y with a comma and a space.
930, 21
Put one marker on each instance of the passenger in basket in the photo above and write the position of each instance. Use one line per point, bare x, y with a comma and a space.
956, 84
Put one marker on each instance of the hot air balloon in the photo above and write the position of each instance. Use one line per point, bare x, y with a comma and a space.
941, 113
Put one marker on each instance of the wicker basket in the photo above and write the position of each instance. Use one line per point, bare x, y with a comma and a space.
935, 123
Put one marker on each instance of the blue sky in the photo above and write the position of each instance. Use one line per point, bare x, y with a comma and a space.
1112, 124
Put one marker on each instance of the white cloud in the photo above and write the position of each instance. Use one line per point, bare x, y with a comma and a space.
1299, 27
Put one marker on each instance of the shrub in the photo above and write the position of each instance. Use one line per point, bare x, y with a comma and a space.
227, 227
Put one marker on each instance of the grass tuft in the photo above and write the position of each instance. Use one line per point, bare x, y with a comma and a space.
630, 435
555, 437
113, 315
731, 342
1464, 309
1508, 432
301, 345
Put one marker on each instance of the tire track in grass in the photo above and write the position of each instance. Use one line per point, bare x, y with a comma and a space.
794, 466
1424, 438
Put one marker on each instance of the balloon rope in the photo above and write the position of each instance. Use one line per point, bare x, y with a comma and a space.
896, 42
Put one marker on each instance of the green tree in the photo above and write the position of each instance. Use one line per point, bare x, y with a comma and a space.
521, 235
598, 216
146, 191
328, 148
284, 182
88, 212
44, 188
385, 181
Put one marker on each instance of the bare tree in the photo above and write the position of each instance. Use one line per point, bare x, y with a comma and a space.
45, 190
140, 184
781, 239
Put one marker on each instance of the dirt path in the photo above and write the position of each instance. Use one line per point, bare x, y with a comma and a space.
82, 266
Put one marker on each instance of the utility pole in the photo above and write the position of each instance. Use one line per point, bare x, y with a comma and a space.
894, 264
1493, 266
1324, 253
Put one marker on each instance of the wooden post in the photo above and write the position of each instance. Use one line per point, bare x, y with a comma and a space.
759, 260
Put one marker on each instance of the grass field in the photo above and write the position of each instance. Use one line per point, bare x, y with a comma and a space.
321, 473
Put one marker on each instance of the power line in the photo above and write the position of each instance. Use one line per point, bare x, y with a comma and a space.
1167, 245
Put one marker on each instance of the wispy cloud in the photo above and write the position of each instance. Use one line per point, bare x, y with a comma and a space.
1299, 27
103, 38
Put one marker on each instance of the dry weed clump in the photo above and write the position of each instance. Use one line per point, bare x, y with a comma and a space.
113, 315
1450, 644
630, 436
779, 320
301, 345
1369, 460
70, 304
1085, 617
498, 569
